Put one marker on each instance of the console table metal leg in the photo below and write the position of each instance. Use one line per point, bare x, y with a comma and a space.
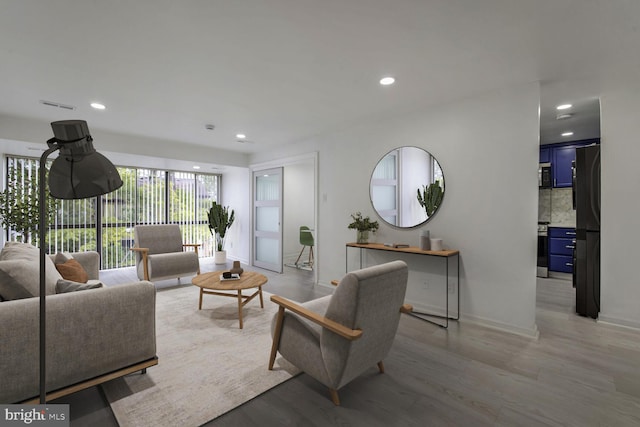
419, 315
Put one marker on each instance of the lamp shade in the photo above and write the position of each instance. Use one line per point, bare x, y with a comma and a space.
90, 176
79, 172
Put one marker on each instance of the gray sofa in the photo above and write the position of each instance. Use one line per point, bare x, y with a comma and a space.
92, 336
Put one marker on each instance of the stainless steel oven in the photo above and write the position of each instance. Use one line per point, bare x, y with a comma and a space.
543, 250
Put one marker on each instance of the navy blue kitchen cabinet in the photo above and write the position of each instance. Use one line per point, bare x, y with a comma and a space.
545, 154
561, 244
561, 157
561, 165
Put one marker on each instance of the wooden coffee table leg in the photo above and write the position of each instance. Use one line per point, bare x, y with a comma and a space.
240, 307
260, 290
200, 304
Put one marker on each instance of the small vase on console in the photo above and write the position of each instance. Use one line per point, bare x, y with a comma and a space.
363, 237
425, 243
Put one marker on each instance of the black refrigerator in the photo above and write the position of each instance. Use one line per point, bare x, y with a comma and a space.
586, 268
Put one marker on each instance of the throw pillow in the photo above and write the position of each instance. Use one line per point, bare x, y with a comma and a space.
18, 251
73, 270
64, 286
19, 279
62, 257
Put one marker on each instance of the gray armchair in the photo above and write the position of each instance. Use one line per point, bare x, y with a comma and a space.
337, 337
160, 253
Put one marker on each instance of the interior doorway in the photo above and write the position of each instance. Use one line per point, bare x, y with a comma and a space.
299, 209
569, 122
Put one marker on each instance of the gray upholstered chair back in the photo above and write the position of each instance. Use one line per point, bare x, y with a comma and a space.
165, 257
160, 239
367, 299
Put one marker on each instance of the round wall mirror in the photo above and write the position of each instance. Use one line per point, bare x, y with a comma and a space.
407, 187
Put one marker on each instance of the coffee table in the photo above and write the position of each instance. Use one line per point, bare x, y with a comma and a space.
210, 284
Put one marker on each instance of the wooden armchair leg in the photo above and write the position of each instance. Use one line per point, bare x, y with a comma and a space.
334, 396
381, 367
276, 337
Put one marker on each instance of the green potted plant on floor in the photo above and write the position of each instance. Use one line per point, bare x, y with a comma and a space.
220, 219
363, 225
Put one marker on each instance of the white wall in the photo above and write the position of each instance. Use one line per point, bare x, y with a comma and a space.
236, 193
488, 149
620, 281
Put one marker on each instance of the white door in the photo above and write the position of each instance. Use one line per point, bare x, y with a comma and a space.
267, 219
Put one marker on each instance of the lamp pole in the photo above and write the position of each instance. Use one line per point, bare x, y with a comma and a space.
78, 173
42, 235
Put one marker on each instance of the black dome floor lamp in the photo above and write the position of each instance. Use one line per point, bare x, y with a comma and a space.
79, 172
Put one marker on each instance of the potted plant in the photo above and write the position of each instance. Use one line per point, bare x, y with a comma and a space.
19, 204
363, 225
220, 219
430, 198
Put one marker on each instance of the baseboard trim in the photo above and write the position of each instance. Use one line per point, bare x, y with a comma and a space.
326, 285
532, 333
480, 321
618, 323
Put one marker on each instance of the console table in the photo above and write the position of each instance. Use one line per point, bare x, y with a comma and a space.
446, 255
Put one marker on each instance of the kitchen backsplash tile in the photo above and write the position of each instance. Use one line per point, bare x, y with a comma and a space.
544, 205
562, 212
555, 206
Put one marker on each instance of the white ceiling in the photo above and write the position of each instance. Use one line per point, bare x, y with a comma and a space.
282, 71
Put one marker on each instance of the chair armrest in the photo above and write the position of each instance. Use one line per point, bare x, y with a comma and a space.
333, 326
406, 308
195, 247
145, 263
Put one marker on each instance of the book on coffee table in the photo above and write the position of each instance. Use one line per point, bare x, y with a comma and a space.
234, 276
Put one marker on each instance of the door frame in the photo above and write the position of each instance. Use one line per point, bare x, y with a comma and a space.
283, 162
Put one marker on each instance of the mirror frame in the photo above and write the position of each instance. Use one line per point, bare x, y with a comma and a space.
404, 227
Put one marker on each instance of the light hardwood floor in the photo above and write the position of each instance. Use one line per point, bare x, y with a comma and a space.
577, 373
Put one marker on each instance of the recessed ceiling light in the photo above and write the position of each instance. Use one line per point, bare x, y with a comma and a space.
196, 167
98, 106
563, 106
386, 81
241, 136
564, 116
567, 134
209, 127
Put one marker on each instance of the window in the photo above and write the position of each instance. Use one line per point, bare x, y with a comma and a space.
105, 223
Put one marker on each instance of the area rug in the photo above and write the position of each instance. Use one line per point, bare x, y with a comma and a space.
207, 365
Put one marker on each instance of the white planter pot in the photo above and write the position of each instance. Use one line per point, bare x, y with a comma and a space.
220, 257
